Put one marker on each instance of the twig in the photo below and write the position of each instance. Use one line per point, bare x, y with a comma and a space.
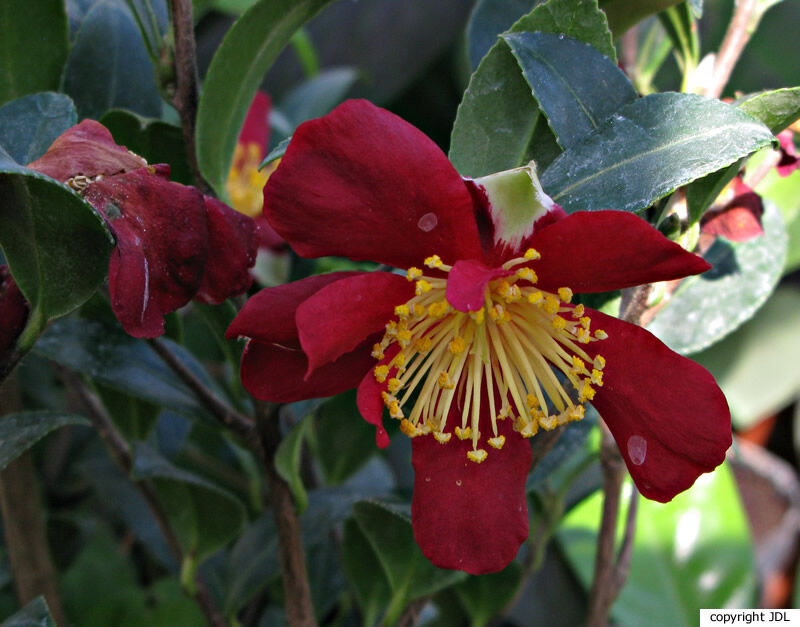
120, 452
736, 38
186, 81
626, 547
291, 554
239, 423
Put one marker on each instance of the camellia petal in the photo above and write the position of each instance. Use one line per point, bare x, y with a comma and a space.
371, 187
667, 414
467, 516
467, 283
600, 251
14, 310
363, 303
740, 219
256, 124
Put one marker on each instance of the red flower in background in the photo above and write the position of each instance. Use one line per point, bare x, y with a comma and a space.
739, 217
14, 311
172, 243
483, 347
788, 162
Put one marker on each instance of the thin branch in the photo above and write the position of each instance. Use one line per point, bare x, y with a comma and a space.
186, 79
238, 423
291, 554
120, 452
623, 565
736, 38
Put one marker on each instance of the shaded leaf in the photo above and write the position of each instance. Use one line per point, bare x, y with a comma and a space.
485, 596
489, 18
34, 614
28, 125
19, 432
34, 46
365, 574
576, 86
317, 96
495, 122
622, 14
287, 462
649, 148
707, 307
239, 65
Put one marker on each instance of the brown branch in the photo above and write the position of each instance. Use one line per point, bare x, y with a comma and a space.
186, 81
291, 554
738, 34
238, 423
623, 565
120, 452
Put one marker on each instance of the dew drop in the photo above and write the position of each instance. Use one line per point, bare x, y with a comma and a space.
637, 449
427, 479
458, 481
428, 222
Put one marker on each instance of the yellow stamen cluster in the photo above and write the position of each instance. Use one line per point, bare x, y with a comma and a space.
245, 184
523, 346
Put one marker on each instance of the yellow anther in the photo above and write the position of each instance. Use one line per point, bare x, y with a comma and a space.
584, 337
408, 428
532, 400
551, 304
423, 345
478, 316
391, 328
477, 456
585, 322
387, 398
402, 311
442, 438
600, 334
529, 429
514, 294
434, 261
587, 392
578, 366
548, 423
528, 274
535, 297
422, 287
438, 309
497, 442
463, 434
381, 372
445, 382
576, 413
597, 377
565, 294
532, 253
413, 273
394, 384
504, 413
377, 351
419, 310
394, 409
599, 362
578, 311
404, 337
457, 345
504, 289
559, 323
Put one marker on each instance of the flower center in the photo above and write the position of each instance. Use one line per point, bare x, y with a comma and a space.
245, 184
523, 346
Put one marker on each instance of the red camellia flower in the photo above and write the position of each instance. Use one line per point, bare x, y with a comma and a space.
739, 216
14, 310
478, 345
173, 243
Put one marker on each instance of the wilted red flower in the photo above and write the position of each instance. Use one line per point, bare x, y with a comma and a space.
739, 217
14, 311
172, 243
481, 349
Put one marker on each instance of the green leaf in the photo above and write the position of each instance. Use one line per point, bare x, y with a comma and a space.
622, 14
485, 596
317, 96
276, 152
204, 516
344, 440
707, 307
490, 18
108, 66
107, 354
365, 574
690, 553
239, 65
28, 125
496, 118
287, 462
409, 573
156, 141
576, 86
134, 417
34, 614
649, 148
19, 432
56, 244
33, 46
755, 366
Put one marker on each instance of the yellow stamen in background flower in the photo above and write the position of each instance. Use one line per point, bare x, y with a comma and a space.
524, 344
245, 184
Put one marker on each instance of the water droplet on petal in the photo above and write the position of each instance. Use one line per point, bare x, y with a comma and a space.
428, 222
458, 481
427, 479
637, 449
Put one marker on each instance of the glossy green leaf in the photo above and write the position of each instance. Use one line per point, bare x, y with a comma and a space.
709, 306
204, 516
239, 65
108, 65
755, 366
690, 553
19, 432
649, 148
576, 86
317, 96
485, 596
622, 14
33, 46
496, 118
107, 354
276, 152
134, 417
287, 462
28, 125
34, 614
409, 573
344, 440
55, 243
490, 18
156, 141
365, 574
